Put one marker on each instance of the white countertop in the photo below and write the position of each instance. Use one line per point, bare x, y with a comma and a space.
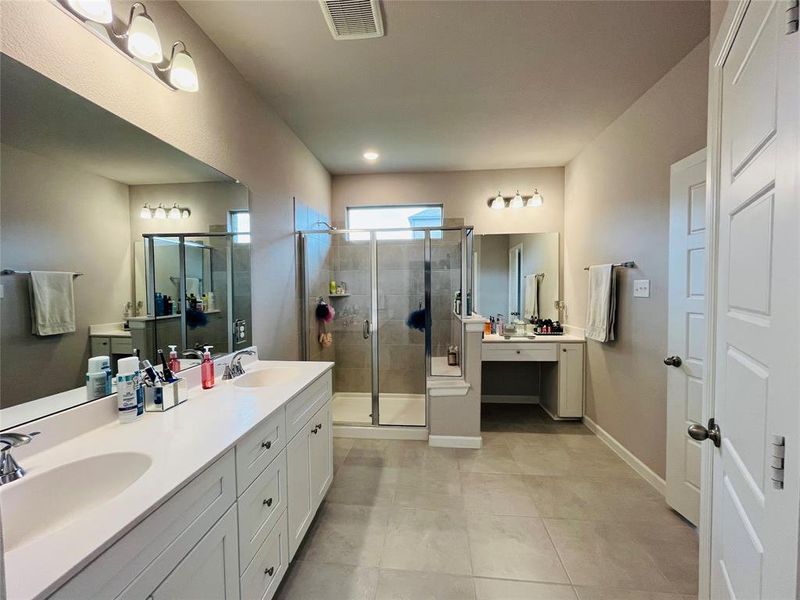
539, 339
109, 330
181, 442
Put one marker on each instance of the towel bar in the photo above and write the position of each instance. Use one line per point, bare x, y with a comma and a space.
627, 264
15, 272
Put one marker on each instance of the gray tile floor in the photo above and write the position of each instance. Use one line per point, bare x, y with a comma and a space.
544, 511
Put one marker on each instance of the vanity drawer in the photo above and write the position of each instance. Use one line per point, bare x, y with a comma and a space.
258, 448
519, 351
307, 403
260, 507
121, 345
262, 577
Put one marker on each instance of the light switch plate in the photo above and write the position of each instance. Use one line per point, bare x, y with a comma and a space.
641, 288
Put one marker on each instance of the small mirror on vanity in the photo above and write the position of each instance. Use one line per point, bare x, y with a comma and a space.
157, 244
517, 274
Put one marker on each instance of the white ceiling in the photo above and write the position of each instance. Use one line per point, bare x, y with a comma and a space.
41, 116
454, 85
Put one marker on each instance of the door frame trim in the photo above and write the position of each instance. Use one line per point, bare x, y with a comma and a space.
721, 45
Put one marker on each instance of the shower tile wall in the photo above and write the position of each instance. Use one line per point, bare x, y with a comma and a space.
318, 272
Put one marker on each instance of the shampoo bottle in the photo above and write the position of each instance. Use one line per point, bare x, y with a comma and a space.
98, 378
130, 395
207, 369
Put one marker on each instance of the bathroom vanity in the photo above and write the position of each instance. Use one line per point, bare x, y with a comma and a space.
207, 500
561, 364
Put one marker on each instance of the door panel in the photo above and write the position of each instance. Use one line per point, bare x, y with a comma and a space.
754, 521
687, 331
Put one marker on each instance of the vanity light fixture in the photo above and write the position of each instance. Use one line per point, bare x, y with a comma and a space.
185, 213
98, 11
146, 212
516, 201
498, 202
138, 39
174, 212
160, 213
536, 200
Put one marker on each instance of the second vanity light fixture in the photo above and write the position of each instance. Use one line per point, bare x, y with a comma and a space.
517, 201
176, 212
140, 40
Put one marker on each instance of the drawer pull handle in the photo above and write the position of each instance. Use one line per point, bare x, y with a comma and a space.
519, 351
267, 501
269, 571
319, 425
314, 431
266, 445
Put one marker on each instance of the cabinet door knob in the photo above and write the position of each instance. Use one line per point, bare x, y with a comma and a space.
269, 571
519, 351
266, 445
563, 349
267, 501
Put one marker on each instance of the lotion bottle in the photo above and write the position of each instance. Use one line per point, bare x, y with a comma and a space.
207, 369
130, 395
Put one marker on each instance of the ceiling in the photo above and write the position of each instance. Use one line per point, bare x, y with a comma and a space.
41, 116
454, 85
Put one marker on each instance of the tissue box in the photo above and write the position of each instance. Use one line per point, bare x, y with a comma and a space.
169, 395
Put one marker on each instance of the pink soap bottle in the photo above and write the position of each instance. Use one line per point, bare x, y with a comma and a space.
174, 363
207, 369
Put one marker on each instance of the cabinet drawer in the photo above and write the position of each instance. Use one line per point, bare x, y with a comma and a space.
262, 577
121, 345
519, 351
101, 346
307, 403
258, 448
137, 563
260, 507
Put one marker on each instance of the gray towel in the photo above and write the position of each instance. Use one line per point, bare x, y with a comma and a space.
52, 302
601, 309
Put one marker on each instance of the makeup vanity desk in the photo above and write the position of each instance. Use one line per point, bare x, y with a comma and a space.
561, 363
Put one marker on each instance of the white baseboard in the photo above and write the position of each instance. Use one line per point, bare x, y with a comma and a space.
380, 433
555, 418
642, 469
455, 441
508, 399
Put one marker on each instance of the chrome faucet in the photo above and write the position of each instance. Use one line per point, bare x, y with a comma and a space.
194, 353
234, 368
9, 468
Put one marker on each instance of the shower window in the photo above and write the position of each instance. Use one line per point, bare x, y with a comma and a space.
389, 218
239, 223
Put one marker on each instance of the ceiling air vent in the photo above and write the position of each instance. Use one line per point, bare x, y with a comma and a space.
353, 19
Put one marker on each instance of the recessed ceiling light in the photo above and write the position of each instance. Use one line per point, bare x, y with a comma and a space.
371, 156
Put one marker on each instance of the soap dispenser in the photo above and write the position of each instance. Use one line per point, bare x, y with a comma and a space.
174, 362
207, 369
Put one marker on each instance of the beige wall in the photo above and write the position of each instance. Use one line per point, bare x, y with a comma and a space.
617, 208
39, 196
464, 195
226, 124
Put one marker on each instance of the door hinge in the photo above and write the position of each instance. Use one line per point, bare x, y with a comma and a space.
777, 461
792, 16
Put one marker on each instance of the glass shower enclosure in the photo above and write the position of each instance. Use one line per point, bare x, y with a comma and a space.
381, 305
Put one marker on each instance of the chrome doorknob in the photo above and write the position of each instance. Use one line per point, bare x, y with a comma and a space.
712, 432
673, 361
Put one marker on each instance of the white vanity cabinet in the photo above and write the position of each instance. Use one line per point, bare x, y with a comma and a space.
562, 387
232, 530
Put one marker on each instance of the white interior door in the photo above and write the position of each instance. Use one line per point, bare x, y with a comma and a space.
754, 524
686, 344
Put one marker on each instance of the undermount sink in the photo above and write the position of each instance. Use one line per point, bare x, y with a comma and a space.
31, 509
267, 376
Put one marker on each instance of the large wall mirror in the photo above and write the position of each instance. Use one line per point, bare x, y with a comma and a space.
517, 274
155, 242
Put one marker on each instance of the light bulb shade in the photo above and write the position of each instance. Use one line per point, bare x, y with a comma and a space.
185, 213
516, 202
182, 73
160, 213
536, 200
146, 212
98, 11
143, 40
498, 202
174, 212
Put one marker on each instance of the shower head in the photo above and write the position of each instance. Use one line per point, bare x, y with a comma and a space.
328, 225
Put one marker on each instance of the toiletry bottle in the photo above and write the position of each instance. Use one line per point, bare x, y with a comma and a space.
98, 378
207, 369
174, 362
332, 287
129, 390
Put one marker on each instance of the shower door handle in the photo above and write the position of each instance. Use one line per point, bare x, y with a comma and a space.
366, 329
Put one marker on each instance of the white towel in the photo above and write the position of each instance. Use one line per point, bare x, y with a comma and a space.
601, 308
531, 296
52, 302
193, 286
